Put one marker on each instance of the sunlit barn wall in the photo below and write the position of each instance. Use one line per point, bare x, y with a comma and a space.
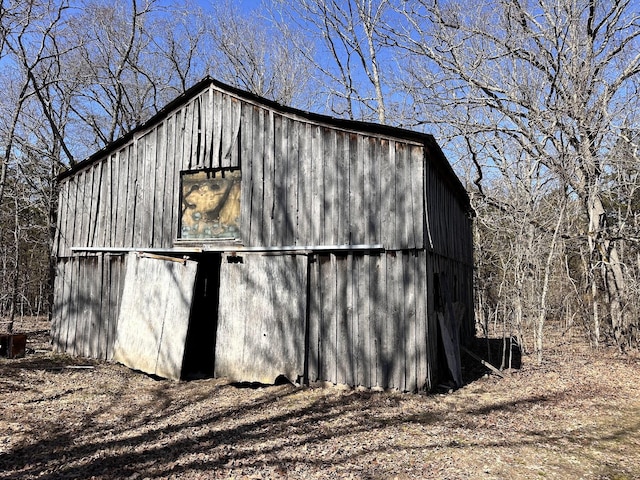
307, 180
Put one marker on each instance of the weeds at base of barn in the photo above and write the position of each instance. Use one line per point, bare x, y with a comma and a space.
575, 416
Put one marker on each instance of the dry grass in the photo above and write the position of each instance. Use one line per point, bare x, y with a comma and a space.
575, 416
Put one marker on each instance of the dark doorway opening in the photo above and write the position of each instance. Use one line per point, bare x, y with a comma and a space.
199, 355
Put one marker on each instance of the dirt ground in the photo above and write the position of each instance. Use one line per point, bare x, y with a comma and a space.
575, 416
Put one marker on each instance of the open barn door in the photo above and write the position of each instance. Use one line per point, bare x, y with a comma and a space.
154, 314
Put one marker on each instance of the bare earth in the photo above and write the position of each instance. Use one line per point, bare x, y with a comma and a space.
575, 416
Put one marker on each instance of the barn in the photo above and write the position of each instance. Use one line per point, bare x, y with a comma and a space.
231, 236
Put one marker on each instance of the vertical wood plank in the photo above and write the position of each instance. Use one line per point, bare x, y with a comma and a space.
305, 182
342, 197
75, 214
207, 126
71, 213
75, 326
317, 186
90, 203
132, 185
196, 148
432, 325
149, 190
200, 138
328, 323
410, 320
313, 360
83, 317
60, 313
427, 206
399, 288
390, 330
388, 194
60, 243
116, 280
342, 325
101, 205
279, 215
227, 131
358, 217
80, 237
402, 210
256, 218
292, 152
269, 176
140, 183
234, 149
99, 301
379, 313
420, 296
106, 294
187, 139
82, 215
416, 178
159, 220
105, 204
67, 305
171, 186
216, 133
329, 234
120, 174
361, 319
246, 160
376, 179
113, 183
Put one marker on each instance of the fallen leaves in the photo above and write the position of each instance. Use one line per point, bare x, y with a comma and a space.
577, 416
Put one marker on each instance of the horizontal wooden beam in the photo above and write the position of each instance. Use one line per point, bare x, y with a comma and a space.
295, 249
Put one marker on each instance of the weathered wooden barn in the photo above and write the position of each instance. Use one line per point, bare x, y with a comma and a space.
235, 237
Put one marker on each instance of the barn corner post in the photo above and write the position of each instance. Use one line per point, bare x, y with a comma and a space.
319, 239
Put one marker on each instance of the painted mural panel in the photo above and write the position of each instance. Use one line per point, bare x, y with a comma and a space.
210, 204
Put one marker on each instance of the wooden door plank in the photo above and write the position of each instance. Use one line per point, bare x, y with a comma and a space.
261, 327
154, 314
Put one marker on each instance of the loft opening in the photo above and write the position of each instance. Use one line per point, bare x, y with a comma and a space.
210, 204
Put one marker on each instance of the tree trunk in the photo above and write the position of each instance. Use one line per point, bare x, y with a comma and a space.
605, 259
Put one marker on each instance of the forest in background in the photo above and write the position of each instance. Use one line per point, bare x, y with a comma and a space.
535, 103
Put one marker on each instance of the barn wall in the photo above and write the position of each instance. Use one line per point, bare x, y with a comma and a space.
448, 226
372, 321
302, 184
368, 320
87, 295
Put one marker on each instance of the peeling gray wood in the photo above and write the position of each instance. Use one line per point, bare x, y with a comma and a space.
261, 319
154, 315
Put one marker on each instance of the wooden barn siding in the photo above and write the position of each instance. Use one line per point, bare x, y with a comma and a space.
261, 318
87, 291
303, 184
368, 320
448, 226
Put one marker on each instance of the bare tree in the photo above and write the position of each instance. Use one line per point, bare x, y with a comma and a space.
250, 53
345, 43
554, 81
